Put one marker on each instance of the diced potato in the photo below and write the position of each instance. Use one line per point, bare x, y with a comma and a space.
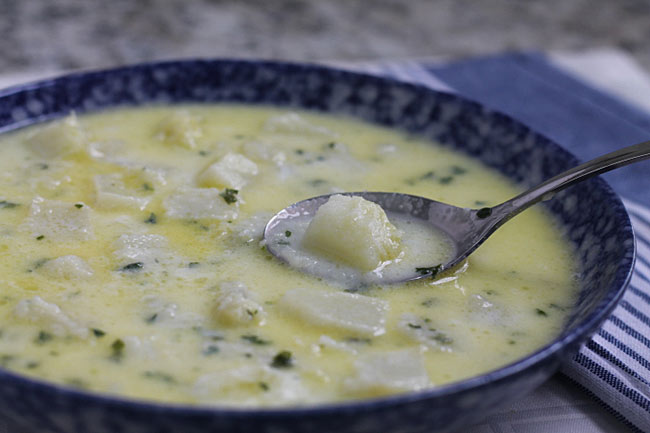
143, 248
168, 314
180, 129
294, 123
425, 332
264, 152
233, 170
66, 268
235, 305
60, 221
62, 138
241, 385
111, 193
197, 203
386, 372
252, 229
353, 231
106, 150
49, 316
356, 313
140, 348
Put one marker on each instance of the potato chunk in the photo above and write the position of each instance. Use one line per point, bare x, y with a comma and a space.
112, 193
50, 316
147, 249
353, 231
357, 313
181, 129
66, 268
59, 221
197, 203
233, 170
294, 123
61, 138
235, 305
387, 372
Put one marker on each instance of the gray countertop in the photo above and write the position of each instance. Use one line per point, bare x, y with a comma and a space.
69, 34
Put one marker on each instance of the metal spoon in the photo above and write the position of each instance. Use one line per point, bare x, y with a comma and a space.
466, 228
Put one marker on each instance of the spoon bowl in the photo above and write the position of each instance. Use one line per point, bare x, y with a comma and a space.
465, 229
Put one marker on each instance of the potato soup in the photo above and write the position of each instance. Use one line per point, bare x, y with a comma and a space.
133, 262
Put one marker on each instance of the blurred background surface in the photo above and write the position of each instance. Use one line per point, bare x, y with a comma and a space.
52, 35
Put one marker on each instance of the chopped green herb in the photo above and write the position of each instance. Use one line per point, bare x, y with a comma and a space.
153, 219
358, 340
428, 175
147, 187
203, 153
254, 339
480, 203
132, 267
283, 359
446, 180
6, 359
441, 338
117, 349
541, 312
433, 270
484, 212
264, 386
288, 233
78, 205
32, 365
43, 337
151, 318
413, 326
193, 265
429, 302
43, 166
458, 170
229, 195
7, 204
320, 158
98, 333
331, 145
252, 313
40, 237
159, 375
317, 182
210, 350
512, 342
299, 152
556, 307
76, 382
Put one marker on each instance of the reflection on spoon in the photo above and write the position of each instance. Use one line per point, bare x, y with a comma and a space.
451, 233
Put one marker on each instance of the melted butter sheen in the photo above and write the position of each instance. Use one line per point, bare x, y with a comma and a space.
132, 264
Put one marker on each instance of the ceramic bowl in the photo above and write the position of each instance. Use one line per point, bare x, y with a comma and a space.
593, 215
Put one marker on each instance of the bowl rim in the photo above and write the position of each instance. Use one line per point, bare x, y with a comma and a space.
575, 336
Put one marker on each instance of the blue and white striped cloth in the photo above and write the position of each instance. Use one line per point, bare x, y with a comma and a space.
613, 368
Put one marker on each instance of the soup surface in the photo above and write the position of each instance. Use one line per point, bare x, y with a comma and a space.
133, 261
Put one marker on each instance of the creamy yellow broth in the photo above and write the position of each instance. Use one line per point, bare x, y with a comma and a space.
132, 261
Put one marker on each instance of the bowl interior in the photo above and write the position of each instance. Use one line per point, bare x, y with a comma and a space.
593, 217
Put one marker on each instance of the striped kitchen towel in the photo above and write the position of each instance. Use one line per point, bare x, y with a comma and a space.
613, 367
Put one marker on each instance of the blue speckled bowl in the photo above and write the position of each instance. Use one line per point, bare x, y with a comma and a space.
594, 216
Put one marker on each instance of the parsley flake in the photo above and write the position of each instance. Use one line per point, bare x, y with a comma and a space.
283, 359
229, 195
433, 270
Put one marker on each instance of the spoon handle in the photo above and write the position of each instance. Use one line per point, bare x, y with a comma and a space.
547, 189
